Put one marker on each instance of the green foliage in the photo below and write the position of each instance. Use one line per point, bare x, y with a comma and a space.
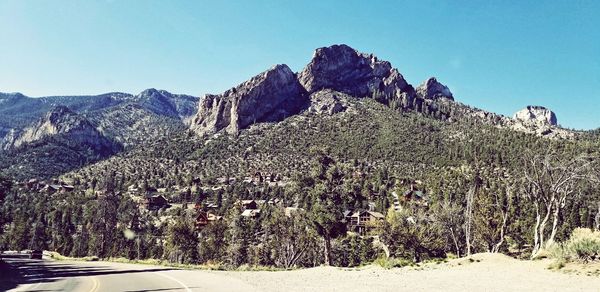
583, 245
389, 263
353, 251
369, 153
182, 242
413, 236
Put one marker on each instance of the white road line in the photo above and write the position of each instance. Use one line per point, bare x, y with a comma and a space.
95, 285
187, 289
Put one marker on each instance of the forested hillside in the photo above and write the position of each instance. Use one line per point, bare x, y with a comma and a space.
366, 157
344, 163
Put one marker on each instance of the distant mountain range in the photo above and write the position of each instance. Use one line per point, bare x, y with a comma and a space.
96, 126
48, 136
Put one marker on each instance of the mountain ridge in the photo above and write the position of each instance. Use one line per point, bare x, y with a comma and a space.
335, 79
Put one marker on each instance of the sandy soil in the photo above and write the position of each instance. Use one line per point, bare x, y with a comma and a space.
486, 272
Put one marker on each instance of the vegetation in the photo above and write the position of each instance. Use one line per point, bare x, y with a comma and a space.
582, 246
485, 189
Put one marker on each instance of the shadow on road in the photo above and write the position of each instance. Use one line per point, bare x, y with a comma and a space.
15, 271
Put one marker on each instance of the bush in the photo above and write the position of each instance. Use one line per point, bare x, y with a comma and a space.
415, 237
388, 263
353, 251
583, 245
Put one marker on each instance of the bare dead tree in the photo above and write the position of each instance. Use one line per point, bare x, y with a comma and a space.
469, 218
597, 219
503, 205
449, 216
549, 182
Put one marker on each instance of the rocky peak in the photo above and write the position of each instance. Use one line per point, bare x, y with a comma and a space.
536, 115
432, 89
269, 96
342, 68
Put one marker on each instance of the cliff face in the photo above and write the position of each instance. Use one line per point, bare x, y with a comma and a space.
269, 96
60, 121
343, 69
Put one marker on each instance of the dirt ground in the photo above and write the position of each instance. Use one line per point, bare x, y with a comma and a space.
485, 272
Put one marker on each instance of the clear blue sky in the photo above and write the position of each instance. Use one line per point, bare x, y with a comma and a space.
493, 55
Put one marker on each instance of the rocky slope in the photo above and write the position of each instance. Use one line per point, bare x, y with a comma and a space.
59, 121
269, 96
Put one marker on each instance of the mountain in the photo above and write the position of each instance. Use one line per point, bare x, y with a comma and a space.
348, 132
338, 80
59, 121
18, 111
342, 69
111, 121
268, 96
59, 141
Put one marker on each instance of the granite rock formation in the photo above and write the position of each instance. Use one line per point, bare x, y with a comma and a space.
269, 96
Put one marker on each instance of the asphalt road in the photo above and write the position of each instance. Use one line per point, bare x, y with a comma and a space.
47, 275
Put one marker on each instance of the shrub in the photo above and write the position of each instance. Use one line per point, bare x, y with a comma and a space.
353, 251
388, 263
583, 245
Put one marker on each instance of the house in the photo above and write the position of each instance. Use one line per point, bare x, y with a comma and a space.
211, 206
251, 213
201, 219
155, 202
248, 204
204, 218
51, 188
416, 196
362, 221
67, 188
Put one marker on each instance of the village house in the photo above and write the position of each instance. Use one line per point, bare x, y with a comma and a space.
155, 202
362, 221
416, 196
251, 213
251, 204
57, 187
204, 218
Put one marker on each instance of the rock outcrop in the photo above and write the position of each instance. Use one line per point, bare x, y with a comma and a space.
328, 102
269, 96
60, 121
343, 69
432, 89
536, 115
